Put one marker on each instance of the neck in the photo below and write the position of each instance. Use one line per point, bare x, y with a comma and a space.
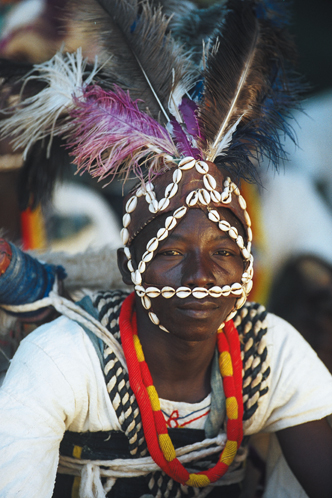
180, 369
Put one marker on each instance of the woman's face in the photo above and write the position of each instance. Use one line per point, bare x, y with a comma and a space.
195, 254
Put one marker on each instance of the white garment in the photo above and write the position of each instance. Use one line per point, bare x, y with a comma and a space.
55, 384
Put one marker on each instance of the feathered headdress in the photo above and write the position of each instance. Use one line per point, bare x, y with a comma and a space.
210, 84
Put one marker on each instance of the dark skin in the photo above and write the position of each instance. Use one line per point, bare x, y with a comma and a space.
196, 254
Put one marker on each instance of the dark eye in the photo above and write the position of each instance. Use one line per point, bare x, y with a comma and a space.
170, 252
224, 252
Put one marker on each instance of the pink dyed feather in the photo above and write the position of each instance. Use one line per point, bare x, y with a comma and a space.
112, 136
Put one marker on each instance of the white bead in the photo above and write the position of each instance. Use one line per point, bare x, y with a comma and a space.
167, 292
242, 202
183, 292
126, 219
209, 182
153, 317
152, 292
152, 244
127, 252
181, 211
177, 175
131, 204
192, 198
213, 215
154, 206
233, 233
163, 204
204, 196
171, 190
147, 256
200, 292
240, 241
141, 266
130, 266
170, 222
162, 233
226, 290
215, 196
215, 291
249, 233
224, 225
124, 234
146, 302
163, 328
187, 163
202, 167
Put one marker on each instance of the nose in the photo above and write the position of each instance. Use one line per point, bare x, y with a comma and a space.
198, 271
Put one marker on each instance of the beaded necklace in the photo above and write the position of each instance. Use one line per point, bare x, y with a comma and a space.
158, 441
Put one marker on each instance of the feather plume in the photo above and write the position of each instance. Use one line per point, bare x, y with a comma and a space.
246, 87
38, 117
112, 136
135, 35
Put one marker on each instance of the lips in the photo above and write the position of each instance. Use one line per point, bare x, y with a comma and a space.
196, 305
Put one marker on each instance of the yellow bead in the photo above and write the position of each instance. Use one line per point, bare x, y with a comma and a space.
225, 364
231, 408
198, 480
167, 447
154, 399
229, 452
138, 348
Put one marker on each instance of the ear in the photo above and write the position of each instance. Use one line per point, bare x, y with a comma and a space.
122, 265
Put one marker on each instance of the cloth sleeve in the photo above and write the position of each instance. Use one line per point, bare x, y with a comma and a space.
54, 383
300, 386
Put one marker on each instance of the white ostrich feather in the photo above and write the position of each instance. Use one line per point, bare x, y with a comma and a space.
36, 117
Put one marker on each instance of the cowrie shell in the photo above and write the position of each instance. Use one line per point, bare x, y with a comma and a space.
170, 222
127, 252
183, 292
226, 290
130, 266
200, 292
245, 253
226, 182
149, 187
163, 204
245, 277
177, 175
162, 233
249, 286
187, 163
204, 196
136, 278
146, 302
209, 182
167, 292
247, 218
236, 189
140, 191
164, 328
224, 225
233, 233
131, 204
152, 292
240, 302
140, 291
149, 197
215, 196
202, 167
213, 215
242, 202
141, 266
249, 233
124, 234
126, 219
226, 197
192, 198
237, 289
181, 211
240, 241
230, 316
153, 317
152, 244
147, 256
154, 206
215, 291
171, 190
